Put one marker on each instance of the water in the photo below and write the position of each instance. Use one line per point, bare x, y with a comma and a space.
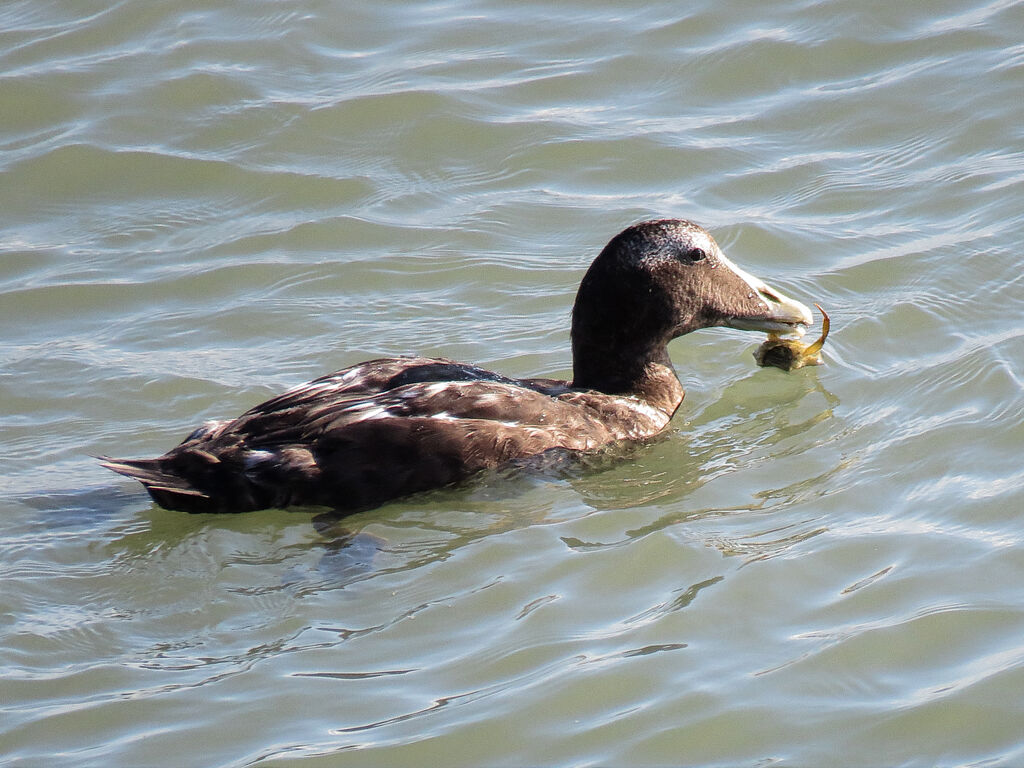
201, 205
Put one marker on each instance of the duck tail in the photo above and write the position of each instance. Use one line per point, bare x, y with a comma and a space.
168, 489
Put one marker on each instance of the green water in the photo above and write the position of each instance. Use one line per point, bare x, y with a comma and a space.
202, 204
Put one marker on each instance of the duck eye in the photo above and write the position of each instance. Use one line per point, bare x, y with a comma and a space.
697, 254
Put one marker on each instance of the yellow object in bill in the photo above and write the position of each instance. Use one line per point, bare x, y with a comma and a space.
790, 354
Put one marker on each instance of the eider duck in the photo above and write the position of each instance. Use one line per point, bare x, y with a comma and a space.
386, 428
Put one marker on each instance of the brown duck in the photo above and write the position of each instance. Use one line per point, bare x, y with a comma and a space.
386, 428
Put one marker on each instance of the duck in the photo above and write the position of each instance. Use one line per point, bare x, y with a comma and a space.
391, 427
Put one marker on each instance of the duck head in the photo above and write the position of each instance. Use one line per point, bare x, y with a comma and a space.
658, 280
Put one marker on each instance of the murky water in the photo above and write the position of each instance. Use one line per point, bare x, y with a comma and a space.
202, 204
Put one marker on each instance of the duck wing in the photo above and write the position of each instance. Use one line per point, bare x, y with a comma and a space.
376, 376
376, 431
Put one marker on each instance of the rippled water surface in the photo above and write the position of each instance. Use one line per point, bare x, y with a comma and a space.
204, 203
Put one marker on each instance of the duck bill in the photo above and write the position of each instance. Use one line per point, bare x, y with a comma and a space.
770, 311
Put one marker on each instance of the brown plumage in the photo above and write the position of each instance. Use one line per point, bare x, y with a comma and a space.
386, 428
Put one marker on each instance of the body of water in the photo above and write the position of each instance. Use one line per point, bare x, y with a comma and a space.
202, 204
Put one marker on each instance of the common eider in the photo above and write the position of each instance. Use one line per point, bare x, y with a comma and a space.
386, 428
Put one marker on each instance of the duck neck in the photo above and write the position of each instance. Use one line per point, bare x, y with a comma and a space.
646, 374
620, 343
